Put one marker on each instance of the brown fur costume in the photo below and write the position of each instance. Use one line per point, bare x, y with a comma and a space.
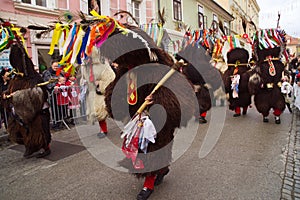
201, 74
265, 87
28, 122
175, 96
241, 56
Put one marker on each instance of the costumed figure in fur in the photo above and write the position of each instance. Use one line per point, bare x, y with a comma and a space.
237, 51
204, 78
99, 74
141, 64
236, 80
265, 83
221, 66
28, 110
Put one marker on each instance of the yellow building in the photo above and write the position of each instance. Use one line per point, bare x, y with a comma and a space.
247, 9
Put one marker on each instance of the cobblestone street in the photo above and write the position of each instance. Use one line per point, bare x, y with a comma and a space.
291, 178
243, 165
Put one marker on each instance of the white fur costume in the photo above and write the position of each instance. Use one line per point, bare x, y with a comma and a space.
103, 73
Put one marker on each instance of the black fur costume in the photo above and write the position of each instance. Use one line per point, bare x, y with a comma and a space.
237, 60
265, 87
201, 74
175, 96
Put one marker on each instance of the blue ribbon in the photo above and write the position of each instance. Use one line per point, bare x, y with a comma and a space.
83, 45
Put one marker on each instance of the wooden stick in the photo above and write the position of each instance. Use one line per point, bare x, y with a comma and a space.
52, 80
159, 84
37, 85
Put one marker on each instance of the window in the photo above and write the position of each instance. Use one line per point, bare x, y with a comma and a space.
177, 10
26, 1
200, 17
43, 3
94, 5
215, 22
135, 7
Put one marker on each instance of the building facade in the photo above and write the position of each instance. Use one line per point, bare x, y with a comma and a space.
194, 14
180, 16
247, 9
36, 12
42, 12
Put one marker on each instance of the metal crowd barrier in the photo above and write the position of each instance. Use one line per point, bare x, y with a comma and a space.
67, 106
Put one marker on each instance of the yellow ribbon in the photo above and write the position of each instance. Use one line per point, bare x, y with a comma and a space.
55, 38
95, 14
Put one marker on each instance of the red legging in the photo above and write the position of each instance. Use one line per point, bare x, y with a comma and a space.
277, 112
238, 109
203, 114
103, 126
149, 182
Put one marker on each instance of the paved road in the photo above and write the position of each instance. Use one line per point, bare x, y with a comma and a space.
247, 162
291, 179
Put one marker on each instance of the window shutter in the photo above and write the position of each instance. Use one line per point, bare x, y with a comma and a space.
84, 6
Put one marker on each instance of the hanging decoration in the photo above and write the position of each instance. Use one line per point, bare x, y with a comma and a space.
77, 40
270, 39
9, 33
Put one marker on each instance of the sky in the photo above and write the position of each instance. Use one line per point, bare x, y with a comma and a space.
289, 15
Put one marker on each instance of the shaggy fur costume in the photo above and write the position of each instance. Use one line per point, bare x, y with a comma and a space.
205, 78
104, 74
28, 122
175, 96
267, 97
244, 98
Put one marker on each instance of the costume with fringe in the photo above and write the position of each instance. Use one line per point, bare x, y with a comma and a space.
236, 79
149, 64
266, 81
204, 78
29, 117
